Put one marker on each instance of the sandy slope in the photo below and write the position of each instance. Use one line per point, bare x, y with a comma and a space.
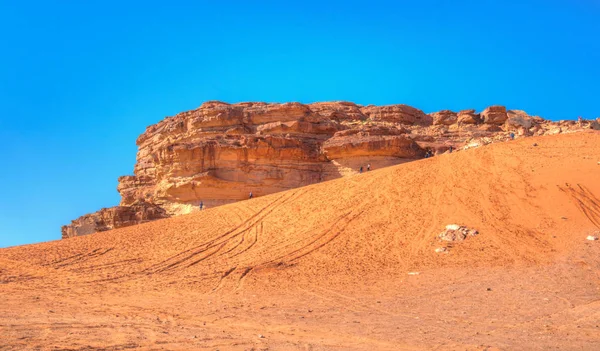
326, 266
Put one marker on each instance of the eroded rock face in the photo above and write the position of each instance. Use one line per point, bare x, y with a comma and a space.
445, 117
494, 115
369, 145
402, 114
519, 119
220, 152
468, 117
113, 218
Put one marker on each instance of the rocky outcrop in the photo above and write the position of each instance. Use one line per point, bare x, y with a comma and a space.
445, 117
220, 152
494, 115
519, 119
113, 218
364, 143
468, 117
401, 114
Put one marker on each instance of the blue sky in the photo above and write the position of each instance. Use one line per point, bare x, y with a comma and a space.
80, 80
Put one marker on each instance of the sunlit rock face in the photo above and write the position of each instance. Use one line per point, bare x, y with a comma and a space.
220, 152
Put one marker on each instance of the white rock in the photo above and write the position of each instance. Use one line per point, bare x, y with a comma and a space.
440, 249
413, 273
592, 238
452, 227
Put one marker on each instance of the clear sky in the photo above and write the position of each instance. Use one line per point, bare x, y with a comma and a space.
80, 80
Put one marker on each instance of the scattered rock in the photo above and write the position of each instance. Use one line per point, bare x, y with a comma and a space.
535, 144
261, 336
413, 273
455, 232
592, 238
441, 249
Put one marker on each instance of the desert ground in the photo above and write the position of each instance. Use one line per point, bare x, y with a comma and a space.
348, 264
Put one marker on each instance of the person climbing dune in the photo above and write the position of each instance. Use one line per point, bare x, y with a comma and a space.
368, 167
201, 205
361, 169
251, 196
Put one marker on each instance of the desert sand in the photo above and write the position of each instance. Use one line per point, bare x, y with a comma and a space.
348, 264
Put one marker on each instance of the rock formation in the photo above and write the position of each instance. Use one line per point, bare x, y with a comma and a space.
113, 218
221, 152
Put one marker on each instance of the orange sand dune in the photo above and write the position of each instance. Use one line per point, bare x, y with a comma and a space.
326, 266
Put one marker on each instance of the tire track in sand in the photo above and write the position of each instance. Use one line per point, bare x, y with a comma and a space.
221, 241
587, 203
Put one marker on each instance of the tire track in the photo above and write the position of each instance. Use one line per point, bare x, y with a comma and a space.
79, 258
235, 246
109, 265
210, 244
225, 275
587, 203
253, 242
62, 260
221, 241
243, 276
314, 245
207, 256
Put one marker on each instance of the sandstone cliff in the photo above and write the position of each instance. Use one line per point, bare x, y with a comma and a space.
113, 218
221, 152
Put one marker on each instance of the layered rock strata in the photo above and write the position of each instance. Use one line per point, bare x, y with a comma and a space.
113, 218
221, 152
